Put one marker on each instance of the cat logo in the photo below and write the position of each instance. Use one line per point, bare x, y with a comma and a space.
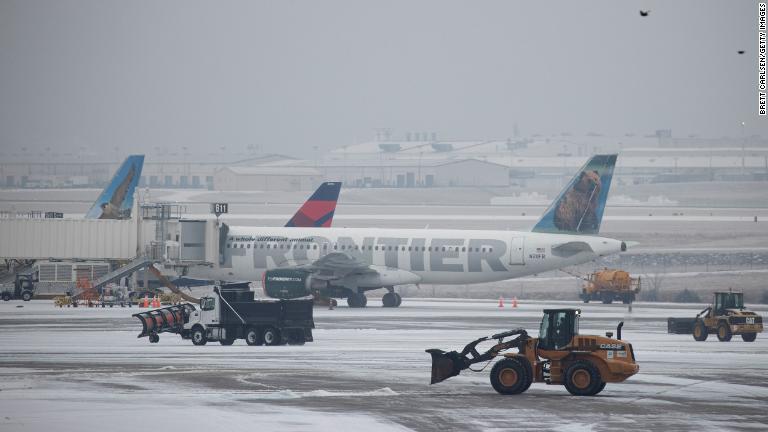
750, 320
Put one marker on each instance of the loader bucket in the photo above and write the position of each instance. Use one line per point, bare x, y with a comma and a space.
444, 365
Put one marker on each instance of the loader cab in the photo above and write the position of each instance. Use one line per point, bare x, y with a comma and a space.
728, 300
558, 327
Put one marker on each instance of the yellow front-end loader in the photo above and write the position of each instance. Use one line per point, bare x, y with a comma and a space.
560, 355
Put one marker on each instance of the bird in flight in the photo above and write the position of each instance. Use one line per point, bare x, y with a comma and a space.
741, 51
645, 13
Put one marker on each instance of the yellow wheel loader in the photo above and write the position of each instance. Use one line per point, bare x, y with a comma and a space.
560, 355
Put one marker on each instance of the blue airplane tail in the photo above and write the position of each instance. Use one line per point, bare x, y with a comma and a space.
116, 200
579, 207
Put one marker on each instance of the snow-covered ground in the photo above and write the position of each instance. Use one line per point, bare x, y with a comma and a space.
83, 369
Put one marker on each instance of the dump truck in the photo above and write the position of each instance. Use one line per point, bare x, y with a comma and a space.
560, 355
228, 315
725, 317
609, 285
23, 288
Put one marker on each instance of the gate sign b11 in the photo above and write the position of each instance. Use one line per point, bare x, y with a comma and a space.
219, 208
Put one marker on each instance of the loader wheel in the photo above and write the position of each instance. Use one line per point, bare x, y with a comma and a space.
748, 337
724, 332
700, 332
271, 336
198, 336
252, 337
510, 376
599, 389
583, 379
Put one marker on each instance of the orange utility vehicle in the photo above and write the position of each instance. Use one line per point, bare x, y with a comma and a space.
560, 355
608, 285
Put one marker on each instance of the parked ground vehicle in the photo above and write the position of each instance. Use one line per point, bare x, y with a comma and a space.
608, 285
726, 317
23, 288
227, 315
583, 363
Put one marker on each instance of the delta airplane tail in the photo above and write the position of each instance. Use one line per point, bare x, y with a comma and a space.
579, 207
116, 200
318, 210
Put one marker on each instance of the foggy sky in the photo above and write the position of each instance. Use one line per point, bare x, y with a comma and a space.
291, 75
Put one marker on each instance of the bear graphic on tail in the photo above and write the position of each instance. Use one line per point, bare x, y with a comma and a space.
577, 209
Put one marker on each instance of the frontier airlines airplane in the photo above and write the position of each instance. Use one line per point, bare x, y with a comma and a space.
346, 262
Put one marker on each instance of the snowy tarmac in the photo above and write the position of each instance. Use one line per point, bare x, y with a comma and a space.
84, 369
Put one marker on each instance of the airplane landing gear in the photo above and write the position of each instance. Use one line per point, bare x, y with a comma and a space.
391, 299
357, 300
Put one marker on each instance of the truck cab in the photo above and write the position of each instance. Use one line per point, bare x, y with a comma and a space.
23, 288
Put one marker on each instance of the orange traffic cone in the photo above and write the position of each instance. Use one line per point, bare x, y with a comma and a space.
514, 302
155, 302
146, 301
501, 302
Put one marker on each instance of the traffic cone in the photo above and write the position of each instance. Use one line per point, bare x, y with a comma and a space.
514, 302
146, 301
501, 302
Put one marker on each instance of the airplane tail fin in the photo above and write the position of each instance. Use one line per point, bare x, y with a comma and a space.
318, 210
116, 200
579, 208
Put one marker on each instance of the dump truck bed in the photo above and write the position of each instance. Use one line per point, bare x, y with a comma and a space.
289, 312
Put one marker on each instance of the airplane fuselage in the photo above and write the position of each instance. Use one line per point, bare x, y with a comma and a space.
405, 256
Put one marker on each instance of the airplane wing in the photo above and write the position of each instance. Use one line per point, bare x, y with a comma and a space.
338, 265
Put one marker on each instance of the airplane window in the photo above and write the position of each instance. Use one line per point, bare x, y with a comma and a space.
443, 248
483, 250
409, 248
314, 247
429, 249
325, 246
229, 246
343, 247
261, 246
490, 249
463, 249
377, 248
423, 248
249, 245
267, 246
335, 246
402, 248
355, 247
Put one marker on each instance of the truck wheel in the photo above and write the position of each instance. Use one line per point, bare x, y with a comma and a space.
724, 332
296, 337
6, 296
626, 299
582, 378
271, 336
154, 338
198, 336
252, 337
26, 296
510, 376
226, 342
748, 337
700, 332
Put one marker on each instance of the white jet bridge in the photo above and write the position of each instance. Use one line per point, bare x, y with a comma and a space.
156, 234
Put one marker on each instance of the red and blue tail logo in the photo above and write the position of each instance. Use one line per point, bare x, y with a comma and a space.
319, 208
